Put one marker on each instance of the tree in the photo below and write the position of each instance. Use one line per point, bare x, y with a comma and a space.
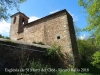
86, 49
1, 36
96, 59
92, 8
5, 5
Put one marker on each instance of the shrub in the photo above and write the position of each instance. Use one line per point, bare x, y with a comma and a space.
53, 54
53, 51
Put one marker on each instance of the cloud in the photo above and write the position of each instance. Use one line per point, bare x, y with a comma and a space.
75, 18
33, 18
53, 11
82, 37
4, 28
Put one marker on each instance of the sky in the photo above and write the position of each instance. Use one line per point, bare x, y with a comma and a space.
36, 9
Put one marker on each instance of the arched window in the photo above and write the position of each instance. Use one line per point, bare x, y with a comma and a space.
14, 20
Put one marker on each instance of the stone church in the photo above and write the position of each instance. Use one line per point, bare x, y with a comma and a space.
54, 28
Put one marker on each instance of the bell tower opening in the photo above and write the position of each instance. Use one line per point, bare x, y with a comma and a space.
23, 21
14, 20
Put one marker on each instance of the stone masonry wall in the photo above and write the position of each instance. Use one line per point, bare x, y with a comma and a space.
14, 28
12, 54
47, 30
56, 29
33, 33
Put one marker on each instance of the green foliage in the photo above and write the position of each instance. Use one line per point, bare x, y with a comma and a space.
72, 73
38, 43
5, 5
34, 42
44, 67
96, 59
54, 54
6, 37
1, 36
53, 51
66, 73
92, 8
86, 48
83, 74
37, 68
91, 69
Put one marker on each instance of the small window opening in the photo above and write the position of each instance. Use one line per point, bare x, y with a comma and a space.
14, 20
23, 22
58, 37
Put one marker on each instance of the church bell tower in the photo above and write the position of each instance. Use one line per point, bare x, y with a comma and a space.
18, 21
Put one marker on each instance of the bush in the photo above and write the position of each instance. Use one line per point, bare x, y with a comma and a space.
53, 51
54, 54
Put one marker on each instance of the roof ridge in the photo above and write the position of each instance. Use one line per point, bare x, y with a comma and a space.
64, 10
19, 13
